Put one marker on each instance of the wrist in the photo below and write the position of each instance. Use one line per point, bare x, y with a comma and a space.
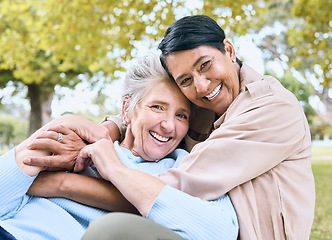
64, 186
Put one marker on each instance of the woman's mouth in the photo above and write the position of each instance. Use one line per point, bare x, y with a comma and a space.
159, 137
214, 93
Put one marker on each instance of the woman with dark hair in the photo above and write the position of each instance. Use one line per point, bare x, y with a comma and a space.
260, 149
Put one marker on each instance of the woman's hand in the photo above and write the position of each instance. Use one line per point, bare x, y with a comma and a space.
64, 149
103, 155
87, 130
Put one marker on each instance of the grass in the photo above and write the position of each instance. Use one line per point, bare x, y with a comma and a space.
322, 153
322, 169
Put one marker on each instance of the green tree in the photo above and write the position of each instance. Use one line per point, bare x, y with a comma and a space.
6, 132
302, 92
12, 130
44, 43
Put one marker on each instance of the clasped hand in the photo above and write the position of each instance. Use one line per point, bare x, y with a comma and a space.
63, 140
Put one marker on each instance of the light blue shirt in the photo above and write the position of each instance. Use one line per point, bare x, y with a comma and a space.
29, 217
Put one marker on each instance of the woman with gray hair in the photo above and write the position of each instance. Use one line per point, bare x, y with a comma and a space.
157, 118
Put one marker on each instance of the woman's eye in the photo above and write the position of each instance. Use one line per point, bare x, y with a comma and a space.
158, 107
205, 66
185, 82
183, 116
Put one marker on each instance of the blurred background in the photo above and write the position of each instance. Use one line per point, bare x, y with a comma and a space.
69, 56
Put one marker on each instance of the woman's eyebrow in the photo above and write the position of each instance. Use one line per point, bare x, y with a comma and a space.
198, 60
185, 110
181, 76
194, 65
160, 102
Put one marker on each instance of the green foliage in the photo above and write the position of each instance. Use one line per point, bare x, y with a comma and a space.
302, 91
12, 130
320, 127
312, 37
40, 38
6, 132
49, 43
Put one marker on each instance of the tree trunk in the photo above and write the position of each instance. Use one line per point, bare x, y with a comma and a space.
46, 108
35, 103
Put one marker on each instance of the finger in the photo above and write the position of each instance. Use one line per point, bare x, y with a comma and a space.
83, 159
45, 144
49, 162
54, 133
48, 134
60, 129
82, 164
93, 133
68, 135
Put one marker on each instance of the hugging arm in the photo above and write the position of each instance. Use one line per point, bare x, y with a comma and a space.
95, 192
84, 189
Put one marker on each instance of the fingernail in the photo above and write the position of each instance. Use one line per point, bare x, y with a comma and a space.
27, 160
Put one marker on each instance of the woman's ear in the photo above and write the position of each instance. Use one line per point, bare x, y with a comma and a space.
230, 49
125, 110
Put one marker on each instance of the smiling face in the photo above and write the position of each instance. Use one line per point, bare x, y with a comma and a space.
206, 76
159, 122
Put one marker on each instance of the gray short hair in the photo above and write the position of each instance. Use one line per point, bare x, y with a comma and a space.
141, 76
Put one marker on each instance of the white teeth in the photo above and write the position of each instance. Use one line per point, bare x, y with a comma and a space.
214, 93
158, 137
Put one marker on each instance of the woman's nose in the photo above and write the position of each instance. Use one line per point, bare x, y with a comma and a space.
201, 84
168, 124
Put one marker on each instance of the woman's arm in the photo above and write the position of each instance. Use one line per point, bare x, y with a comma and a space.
91, 191
115, 126
113, 129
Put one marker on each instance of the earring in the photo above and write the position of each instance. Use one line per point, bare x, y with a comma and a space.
233, 60
125, 122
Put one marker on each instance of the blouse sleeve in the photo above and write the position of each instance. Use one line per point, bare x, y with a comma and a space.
117, 119
193, 218
14, 185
